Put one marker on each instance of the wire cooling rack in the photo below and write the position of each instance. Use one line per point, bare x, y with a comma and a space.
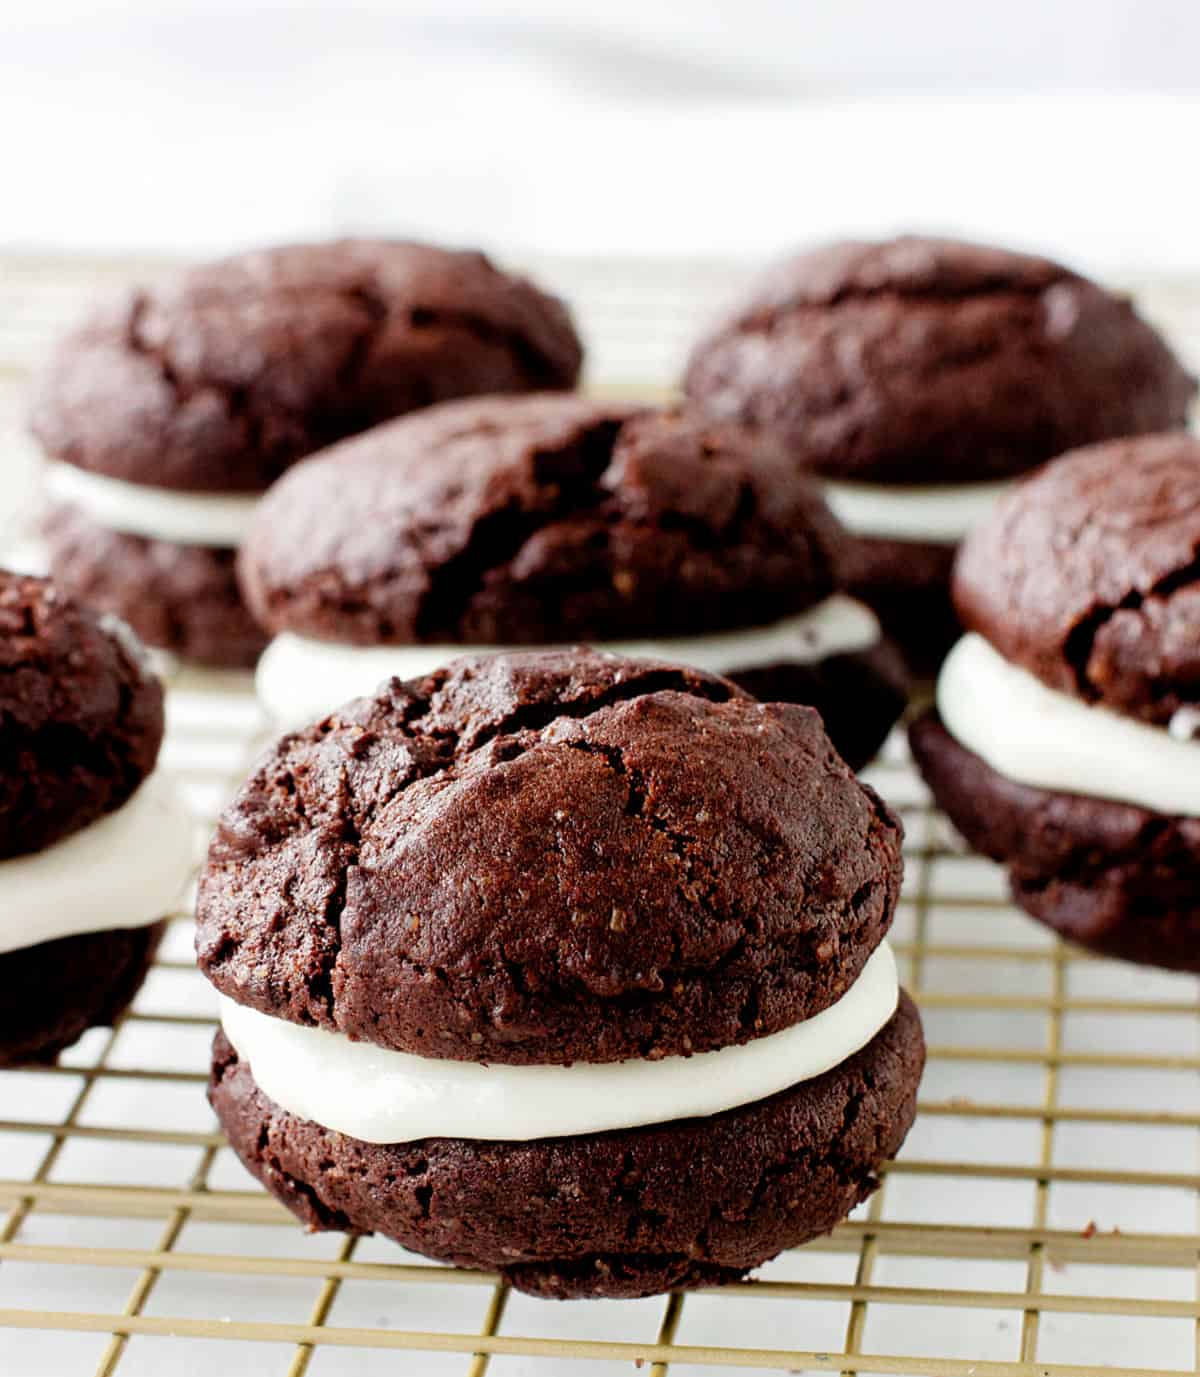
1040, 1222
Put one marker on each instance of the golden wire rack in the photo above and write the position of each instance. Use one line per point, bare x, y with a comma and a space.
1040, 1222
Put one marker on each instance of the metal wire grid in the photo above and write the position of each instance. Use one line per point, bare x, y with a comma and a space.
1041, 1219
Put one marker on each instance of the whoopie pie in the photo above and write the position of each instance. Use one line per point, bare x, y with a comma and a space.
1066, 738
168, 411
95, 844
564, 965
552, 520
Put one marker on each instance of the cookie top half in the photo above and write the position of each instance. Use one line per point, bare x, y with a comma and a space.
919, 360
81, 718
550, 857
536, 520
1088, 575
223, 376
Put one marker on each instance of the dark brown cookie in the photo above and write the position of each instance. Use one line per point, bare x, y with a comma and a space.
926, 360
81, 720
608, 1214
1110, 876
53, 992
549, 858
538, 520
1088, 575
222, 377
546, 520
181, 598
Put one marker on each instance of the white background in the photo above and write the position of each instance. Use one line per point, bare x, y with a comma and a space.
609, 127
603, 126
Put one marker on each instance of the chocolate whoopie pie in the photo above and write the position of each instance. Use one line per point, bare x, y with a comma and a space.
94, 846
549, 520
168, 411
565, 965
918, 376
1066, 740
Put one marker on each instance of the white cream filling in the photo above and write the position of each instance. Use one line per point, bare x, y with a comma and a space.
1050, 740
185, 518
383, 1096
125, 870
298, 678
941, 513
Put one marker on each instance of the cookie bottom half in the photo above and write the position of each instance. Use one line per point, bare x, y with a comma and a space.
1113, 877
53, 992
633, 1212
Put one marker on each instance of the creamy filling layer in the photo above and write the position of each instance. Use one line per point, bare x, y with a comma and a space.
125, 870
383, 1096
218, 519
299, 679
941, 513
1049, 740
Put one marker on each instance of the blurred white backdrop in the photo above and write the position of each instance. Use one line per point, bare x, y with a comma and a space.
603, 126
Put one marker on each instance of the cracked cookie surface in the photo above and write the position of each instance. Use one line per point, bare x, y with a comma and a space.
538, 520
548, 858
925, 360
223, 376
609, 1214
1088, 576
81, 718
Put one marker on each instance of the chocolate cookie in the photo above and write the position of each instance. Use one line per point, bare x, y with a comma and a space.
931, 362
537, 520
53, 992
1066, 738
212, 384
1115, 619
551, 520
556, 863
81, 721
610, 1214
447, 789
928, 360
223, 376
180, 598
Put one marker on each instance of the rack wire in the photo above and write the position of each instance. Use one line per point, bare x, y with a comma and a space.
1041, 1221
